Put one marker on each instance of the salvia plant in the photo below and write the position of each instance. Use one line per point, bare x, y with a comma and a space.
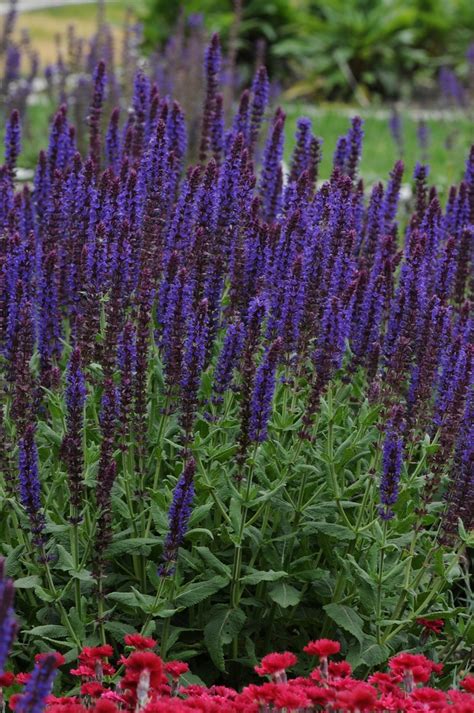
143, 681
236, 403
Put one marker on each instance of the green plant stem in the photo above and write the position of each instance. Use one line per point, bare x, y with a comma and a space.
76, 559
54, 593
156, 476
237, 564
159, 592
434, 591
379, 591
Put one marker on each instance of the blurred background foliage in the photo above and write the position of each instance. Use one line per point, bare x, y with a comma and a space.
338, 49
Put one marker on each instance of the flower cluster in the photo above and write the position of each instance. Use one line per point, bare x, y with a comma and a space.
152, 685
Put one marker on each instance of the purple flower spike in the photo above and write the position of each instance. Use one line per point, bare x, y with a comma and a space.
12, 142
112, 141
263, 392
95, 113
30, 487
212, 66
71, 448
271, 176
178, 517
39, 686
261, 93
392, 461
229, 357
354, 141
8, 625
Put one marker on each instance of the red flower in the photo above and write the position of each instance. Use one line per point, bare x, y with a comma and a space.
340, 669
468, 684
385, 682
429, 696
322, 648
435, 625
7, 679
92, 654
407, 662
262, 695
60, 660
142, 661
84, 671
360, 697
290, 698
104, 705
137, 641
22, 678
176, 668
275, 663
13, 701
92, 689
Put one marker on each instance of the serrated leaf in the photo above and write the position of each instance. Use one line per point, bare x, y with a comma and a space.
133, 545
43, 594
285, 595
198, 591
338, 532
51, 630
266, 576
346, 618
64, 561
374, 654
27, 582
223, 626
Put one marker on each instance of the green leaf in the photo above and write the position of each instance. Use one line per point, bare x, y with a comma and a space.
118, 630
64, 561
373, 654
270, 576
27, 582
223, 626
198, 591
212, 561
338, 532
43, 594
285, 595
55, 630
133, 545
346, 618
196, 532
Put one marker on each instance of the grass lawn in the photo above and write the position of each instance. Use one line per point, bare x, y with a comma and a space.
379, 150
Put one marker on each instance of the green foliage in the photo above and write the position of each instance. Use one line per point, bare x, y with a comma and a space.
297, 553
339, 48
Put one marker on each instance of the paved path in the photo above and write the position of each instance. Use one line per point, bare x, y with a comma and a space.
25, 5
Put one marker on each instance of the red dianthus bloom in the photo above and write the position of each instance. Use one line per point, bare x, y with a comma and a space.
434, 625
7, 679
137, 641
322, 648
468, 684
275, 663
176, 668
142, 661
